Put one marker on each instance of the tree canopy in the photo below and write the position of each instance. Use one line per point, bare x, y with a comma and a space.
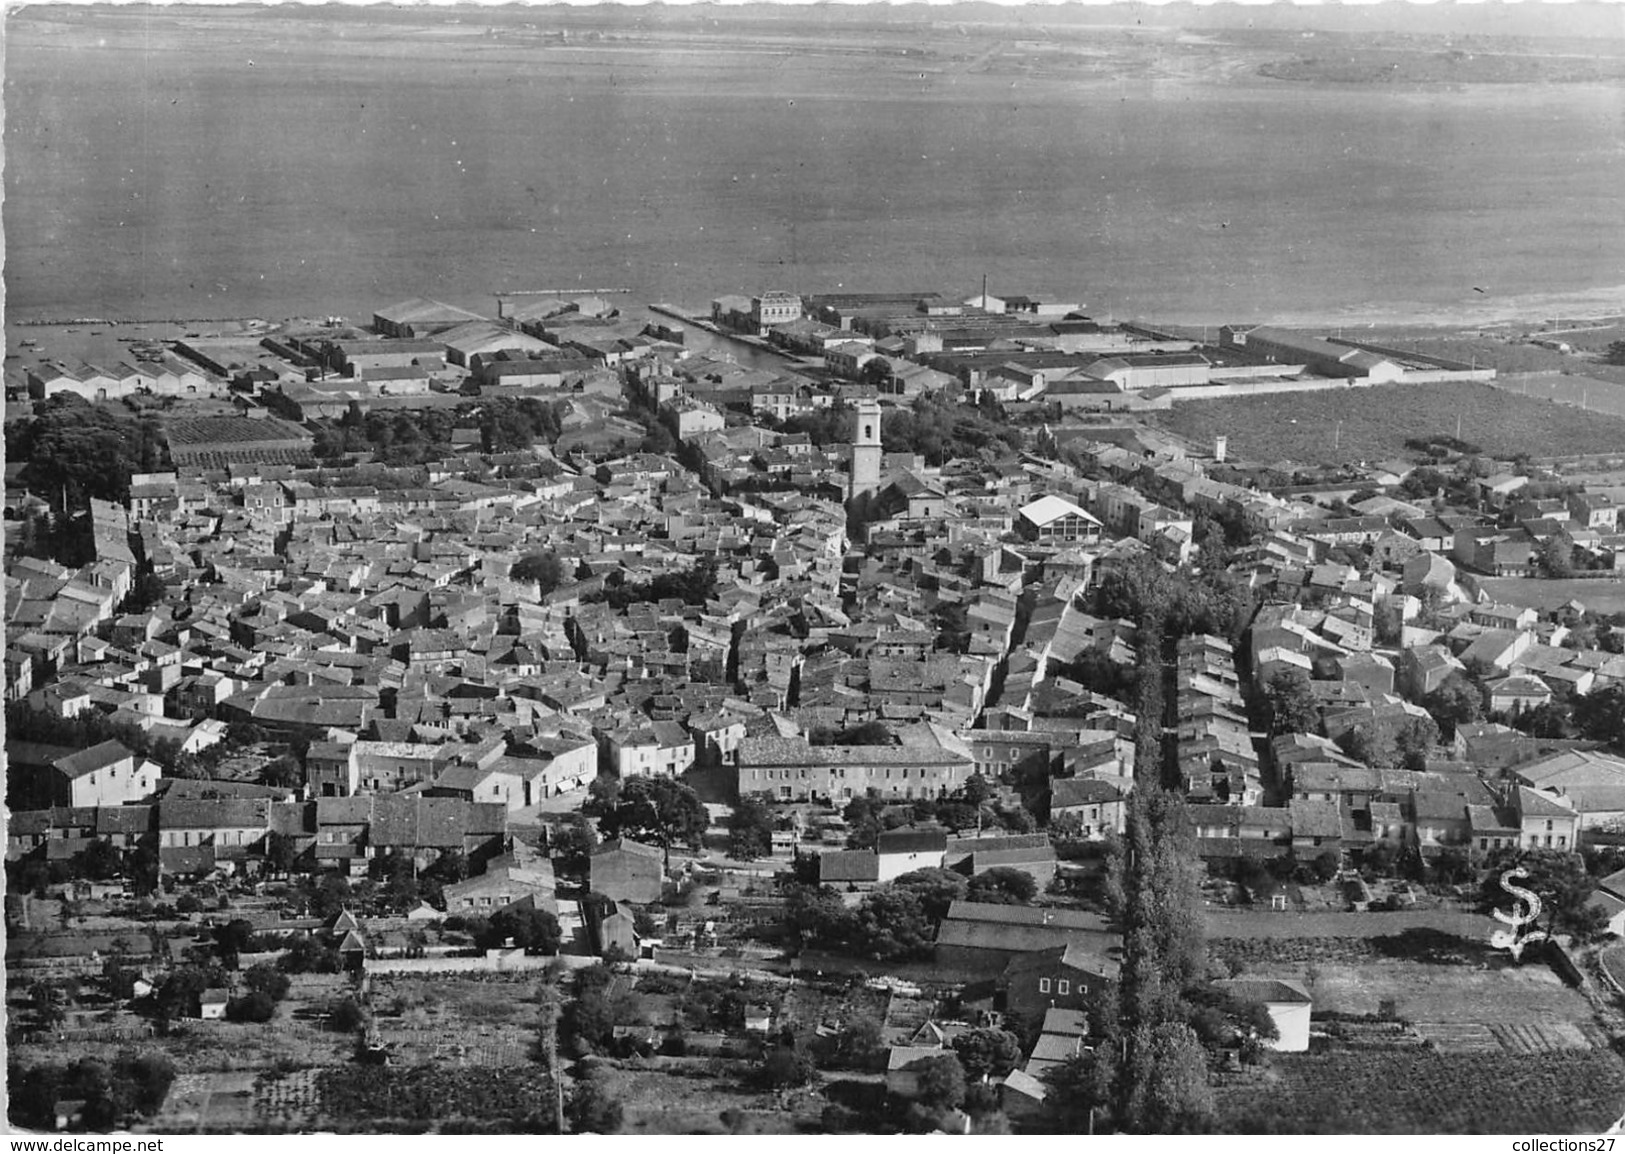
1455, 702
1291, 703
545, 569
1559, 877
750, 829
661, 810
1004, 885
937, 889
83, 449
989, 1053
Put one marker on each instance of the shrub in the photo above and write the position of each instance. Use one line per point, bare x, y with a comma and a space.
345, 1015
255, 1007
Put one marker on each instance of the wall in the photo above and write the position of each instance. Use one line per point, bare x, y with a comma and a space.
490, 963
1251, 388
1292, 1026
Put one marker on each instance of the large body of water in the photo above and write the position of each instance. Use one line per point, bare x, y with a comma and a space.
250, 166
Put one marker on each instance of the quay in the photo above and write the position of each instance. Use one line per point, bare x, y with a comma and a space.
112, 322
670, 310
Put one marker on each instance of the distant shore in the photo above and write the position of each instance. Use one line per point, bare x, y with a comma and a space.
1492, 311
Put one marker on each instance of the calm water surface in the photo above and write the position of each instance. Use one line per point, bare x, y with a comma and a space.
164, 174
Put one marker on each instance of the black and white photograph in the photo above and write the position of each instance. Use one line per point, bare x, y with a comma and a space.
799, 569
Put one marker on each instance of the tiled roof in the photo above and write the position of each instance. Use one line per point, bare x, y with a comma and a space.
857, 865
188, 813
1266, 990
88, 761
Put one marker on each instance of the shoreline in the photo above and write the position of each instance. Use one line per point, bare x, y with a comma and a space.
1601, 305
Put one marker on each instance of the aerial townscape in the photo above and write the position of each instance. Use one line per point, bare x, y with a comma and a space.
863, 569
906, 735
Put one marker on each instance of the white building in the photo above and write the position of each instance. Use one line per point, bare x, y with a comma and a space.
1288, 1003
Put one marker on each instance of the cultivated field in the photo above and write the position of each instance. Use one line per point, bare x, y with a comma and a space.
688, 1096
1419, 1092
1341, 426
1587, 393
1605, 596
456, 1021
1613, 962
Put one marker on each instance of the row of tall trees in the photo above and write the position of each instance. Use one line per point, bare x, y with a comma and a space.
1148, 1073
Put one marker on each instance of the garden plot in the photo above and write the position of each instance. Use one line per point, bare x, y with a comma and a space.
213, 1102
288, 1100
469, 1022
681, 1100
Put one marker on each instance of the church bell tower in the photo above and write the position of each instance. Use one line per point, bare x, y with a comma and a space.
866, 450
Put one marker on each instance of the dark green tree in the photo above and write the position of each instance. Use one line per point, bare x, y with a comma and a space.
1600, 716
1370, 747
1555, 556
257, 1006
1172, 1095
593, 1106
937, 889
545, 569
1415, 741
265, 978
1559, 877
1456, 702
1291, 703
783, 1066
750, 829
1005, 885
987, 1053
660, 810
815, 916
46, 1002
940, 1082
890, 925
232, 939
533, 930
1080, 1093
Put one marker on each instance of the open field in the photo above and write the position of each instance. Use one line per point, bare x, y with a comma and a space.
1602, 596
1588, 393
1510, 355
1254, 925
1455, 992
1498, 993
1417, 1092
1342, 426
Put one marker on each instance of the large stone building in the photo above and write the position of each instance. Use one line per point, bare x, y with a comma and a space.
105, 774
788, 769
